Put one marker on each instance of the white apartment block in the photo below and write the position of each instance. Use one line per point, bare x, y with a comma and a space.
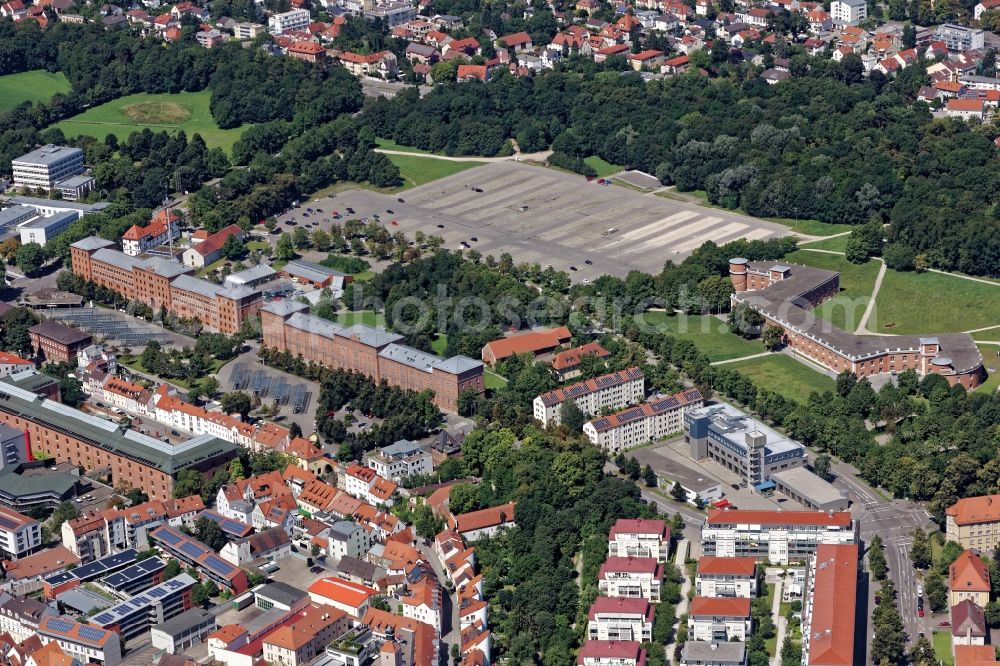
848, 12
716, 619
620, 619
634, 577
642, 423
640, 537
400, 460
19, 534
46, 166
612, 391
778, 537
347, 539
726, 577
295, 19
423, 604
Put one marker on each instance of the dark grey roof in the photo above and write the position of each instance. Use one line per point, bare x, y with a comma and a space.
187, 620
15, 213
282, 593
46, 223
162, 456
284, 307
714, 653
61, 333
784, 301
343, 529
92, 243
49, 154
36, 202
352, 566
310, 270
14, 485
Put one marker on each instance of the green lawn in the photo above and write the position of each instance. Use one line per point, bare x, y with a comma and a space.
710, 334
440, 344
942, 647
837, 244
364, 276
988, 334
856, 284
34, 86
990, 360
366, 317
492, 380
784, 375
917, 303
810, 227
389, 144
417, 170
255, 245
601, 167
180, 111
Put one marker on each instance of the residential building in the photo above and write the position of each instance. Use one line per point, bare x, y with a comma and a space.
968, 578
193, 553
57, 343
351, 598
272, 544
640, 424
960, 38
611, 653
968, 624
975, 655
717, 619
373, 352
740, 443
400, 460
474, 525
637, 577
566, 364
726, 577
347, 539
423, 603
848, 12
830, 606
164, 227
620, 619
85, 537
161, 283
19, 534
184, 631
416, 641
784, 295
639, 537
12, 364
303, 639
20, 617
210, 249
133, 618
292, 20
245, 31
611, 391
84, 642
382, 63
532, 342
966, 109
13, 453
725, 653
974, 522
365, 484
46, 166
779, 537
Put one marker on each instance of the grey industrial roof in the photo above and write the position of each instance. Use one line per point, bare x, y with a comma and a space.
83, 600
22, 485
48, 154
31, 380
456, 365
353, 566
808, 485
284, 307
193, 284
50, 221
367, 335
310, 270
58, 203
182, 623
251, 274
410, 356
732, 424
165, 457
714, 653
9, 215
784, 301
75, 181
93, 243
281, 592
401, 447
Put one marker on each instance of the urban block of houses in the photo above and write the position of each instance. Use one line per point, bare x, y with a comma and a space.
612, 391
635, 577
726, 577
646, 422
719, 619
639, 537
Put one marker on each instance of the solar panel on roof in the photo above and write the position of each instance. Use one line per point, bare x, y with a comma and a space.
157, 592
60, 625
103, 618
169, 537
191, 549
218, 565
175, 584
92, 633
600, 423
233, 526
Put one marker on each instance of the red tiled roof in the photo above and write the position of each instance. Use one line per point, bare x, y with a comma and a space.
622, 606
516, 38
612, 650
7, 357
528, 342
639, 526
342, 591
727, 566
306, 48
491, 517
471, 72
751, 517
832, 623
216, 240
571, 357
965, 104
968, 574
643, 565
721, 607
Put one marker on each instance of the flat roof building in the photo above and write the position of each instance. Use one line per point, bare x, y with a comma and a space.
800, 485
740, 443
779, 537
184, 631
153, 607
43, 229
46, 166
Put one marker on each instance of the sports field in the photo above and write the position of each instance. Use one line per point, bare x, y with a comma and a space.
34, 86
416, 170
856, 283
710, 334
783, 374
171, 112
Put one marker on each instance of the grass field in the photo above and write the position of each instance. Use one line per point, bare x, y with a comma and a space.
784, 375
181, 111
942, 647
918, 303
492, 380
389, 144
366, 317
417, 170
600, 166
856, 283
709, 334
988, 334
440, 344
837, 244
990, 362
34, 86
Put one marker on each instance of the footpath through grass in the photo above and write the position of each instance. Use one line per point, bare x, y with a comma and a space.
710, 334
416, 170
856, 283
785, 375
171, 112
34, 86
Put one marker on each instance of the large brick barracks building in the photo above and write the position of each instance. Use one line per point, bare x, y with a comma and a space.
371, 351
160, 282
786, 295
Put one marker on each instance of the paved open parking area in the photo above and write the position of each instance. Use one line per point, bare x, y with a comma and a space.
545, 216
